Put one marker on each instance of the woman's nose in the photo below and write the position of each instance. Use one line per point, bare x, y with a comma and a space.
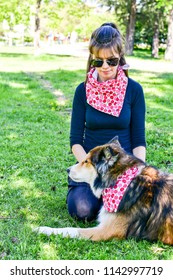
105, 64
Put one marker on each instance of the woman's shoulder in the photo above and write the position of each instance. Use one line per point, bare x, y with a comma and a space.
132, 84
81, 87
134, 91
80, 92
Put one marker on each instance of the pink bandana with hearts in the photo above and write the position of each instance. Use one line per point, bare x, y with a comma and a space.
112, 196
107, 97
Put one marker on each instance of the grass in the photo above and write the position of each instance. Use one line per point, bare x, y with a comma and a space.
35, 153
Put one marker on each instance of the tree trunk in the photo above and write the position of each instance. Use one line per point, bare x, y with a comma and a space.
169, 47
155, 43
37, 25
130, 30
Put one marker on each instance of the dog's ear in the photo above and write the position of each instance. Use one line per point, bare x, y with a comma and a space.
110, 156
115, 141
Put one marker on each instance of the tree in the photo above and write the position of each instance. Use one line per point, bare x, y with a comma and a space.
146, 22
169, 46
125, 12
62, 14
155, 42
130, 28
153, 21
13, 13
168, 5
37, 25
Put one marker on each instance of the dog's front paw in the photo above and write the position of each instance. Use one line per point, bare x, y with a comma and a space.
45, 230
65, 232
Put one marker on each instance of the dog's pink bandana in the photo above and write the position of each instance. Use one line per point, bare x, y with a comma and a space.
112, 196
107, 97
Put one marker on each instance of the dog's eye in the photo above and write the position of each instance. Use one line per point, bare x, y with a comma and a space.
86, 161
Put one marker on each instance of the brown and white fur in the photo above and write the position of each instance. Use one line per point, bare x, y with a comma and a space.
146, 209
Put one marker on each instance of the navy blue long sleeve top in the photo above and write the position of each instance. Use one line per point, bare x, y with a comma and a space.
90, 127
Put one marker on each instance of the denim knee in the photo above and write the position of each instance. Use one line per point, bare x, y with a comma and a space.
82, 204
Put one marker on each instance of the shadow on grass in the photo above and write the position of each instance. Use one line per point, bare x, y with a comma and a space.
42, 56
146, 54
13, 54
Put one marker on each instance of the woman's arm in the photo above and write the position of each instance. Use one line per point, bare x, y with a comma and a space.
78, 123
138, 123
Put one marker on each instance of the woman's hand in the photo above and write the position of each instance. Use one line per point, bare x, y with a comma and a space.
140, 152
78, 152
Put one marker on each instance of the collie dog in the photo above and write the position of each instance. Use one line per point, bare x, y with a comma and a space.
144, 210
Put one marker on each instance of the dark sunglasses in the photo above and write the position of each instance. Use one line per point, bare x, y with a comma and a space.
99, 62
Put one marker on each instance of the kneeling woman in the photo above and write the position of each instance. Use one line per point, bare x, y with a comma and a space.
107, 104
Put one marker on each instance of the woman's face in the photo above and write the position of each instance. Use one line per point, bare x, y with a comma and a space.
106, 72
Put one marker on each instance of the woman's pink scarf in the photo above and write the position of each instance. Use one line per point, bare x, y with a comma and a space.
107, 97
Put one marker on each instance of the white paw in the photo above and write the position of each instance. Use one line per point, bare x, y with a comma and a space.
65, 232
45, 230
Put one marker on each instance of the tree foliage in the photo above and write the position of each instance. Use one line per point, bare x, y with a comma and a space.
150, 23
153, 24
15, 11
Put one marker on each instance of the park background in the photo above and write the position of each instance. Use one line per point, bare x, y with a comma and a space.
39, 74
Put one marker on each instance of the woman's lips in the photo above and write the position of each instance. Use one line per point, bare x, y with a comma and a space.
106, 72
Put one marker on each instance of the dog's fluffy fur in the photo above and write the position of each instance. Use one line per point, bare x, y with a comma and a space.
146, 209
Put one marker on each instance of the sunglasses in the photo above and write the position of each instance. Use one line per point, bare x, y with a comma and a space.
99, 62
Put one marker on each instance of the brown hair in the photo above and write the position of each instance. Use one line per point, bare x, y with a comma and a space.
107, 36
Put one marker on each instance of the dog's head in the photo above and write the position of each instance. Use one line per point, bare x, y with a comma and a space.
101, 167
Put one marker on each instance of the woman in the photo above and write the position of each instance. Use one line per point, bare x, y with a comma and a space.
106, 105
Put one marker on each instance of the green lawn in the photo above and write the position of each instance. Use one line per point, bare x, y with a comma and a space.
35, 153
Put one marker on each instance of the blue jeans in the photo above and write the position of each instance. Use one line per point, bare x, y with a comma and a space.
81, 202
